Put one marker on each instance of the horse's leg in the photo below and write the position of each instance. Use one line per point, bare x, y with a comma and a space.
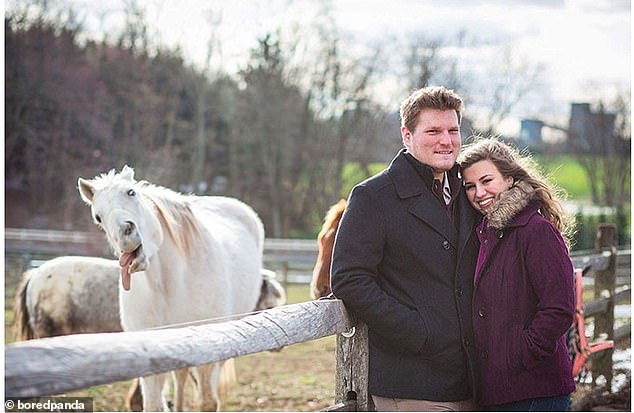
152, 389
206, 396
223, 375
134, 401
227, 377
214, 382
180, 378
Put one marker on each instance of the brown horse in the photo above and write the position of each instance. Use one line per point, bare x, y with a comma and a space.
320, 284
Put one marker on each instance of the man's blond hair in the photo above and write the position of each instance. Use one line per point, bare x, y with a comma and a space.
431, 97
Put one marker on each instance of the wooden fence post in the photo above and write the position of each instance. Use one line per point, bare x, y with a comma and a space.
285, 268
604, 287
351, 380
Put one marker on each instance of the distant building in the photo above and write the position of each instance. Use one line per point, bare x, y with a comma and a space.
531, 132
589, 131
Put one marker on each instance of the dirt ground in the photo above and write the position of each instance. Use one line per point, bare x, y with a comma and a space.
588, 399
298, 378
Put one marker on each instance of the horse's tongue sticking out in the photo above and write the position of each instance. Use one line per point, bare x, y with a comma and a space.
124, 262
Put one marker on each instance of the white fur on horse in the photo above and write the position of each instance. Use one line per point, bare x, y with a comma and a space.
183, 258
68, 295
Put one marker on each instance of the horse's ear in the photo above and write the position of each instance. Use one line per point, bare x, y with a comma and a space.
127, 173
86, 190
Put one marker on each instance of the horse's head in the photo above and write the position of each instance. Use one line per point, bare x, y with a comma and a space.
126, 216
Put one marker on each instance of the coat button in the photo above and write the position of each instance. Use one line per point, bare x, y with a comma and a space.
466, 342
445, 244
459, 291
482, 313
485, 354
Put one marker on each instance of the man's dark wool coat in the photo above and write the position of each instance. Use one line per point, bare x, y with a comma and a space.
403, 267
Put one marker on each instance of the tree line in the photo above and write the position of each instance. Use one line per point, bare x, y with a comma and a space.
80, 108
276, 135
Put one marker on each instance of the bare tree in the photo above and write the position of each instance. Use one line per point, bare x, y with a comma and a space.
340, 86
134, 35
264, 139
204, 138
426, 61
601, 141
509, 81
299, 114
422, 61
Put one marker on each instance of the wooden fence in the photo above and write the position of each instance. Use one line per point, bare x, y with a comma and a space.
285, 256
607, 264
60, 364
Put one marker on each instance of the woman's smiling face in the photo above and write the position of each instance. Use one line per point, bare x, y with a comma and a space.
483, 182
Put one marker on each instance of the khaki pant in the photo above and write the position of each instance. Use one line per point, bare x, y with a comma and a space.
386, 404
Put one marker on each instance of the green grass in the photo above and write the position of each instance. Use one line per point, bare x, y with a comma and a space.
353, 173
566, 172
297, 293
562, 170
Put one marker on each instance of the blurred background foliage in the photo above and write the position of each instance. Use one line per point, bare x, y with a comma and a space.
290, 134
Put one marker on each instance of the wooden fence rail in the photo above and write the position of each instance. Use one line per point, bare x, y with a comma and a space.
599, 261
280, 254
601, 305
59, 364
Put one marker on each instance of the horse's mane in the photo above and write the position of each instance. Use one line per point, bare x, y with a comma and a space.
173, 209
175, 213
332, 218
106, 179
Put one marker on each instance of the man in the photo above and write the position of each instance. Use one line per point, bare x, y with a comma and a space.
404, 261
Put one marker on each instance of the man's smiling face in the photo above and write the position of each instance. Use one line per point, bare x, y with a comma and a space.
435, 141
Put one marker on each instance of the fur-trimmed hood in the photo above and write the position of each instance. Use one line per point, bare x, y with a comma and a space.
509, 204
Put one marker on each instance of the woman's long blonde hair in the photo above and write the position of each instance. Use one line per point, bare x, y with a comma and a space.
521, 167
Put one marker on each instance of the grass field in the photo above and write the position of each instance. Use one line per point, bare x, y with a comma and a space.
567, 173
563, 170
297, 378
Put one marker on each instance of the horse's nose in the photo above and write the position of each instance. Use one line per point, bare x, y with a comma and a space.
128, 227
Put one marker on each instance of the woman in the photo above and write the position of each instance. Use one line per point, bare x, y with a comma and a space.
523, 301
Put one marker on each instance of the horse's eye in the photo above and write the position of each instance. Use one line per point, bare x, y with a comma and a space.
131, 192
98, 218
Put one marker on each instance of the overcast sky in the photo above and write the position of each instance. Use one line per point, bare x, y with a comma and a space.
585, 45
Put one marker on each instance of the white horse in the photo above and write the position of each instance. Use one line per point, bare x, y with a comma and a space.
272, 293
68, 295
182, 258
